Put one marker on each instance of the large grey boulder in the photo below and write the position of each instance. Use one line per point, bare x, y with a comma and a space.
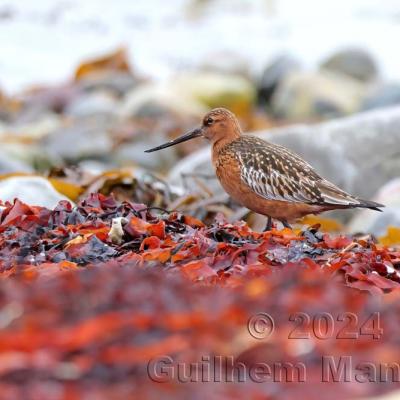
359, 153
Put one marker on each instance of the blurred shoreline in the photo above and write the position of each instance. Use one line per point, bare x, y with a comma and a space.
43, 41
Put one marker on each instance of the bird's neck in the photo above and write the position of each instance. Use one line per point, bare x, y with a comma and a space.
220, 143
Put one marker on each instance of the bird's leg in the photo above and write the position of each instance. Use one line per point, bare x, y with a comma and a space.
286, 224
268, 227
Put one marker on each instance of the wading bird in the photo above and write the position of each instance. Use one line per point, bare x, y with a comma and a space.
265, 177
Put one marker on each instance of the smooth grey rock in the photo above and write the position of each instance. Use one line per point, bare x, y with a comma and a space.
356, 63
212, 89
10, 164
358, 153
33, 190
383, 95
33, 128
84, 138
118, 82
274, 73
100, 103
95, 167
45, 99
307, 95
157, 100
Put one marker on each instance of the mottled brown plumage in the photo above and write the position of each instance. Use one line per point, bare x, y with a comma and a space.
264, 177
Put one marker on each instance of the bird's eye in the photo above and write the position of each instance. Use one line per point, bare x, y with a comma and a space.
209, 121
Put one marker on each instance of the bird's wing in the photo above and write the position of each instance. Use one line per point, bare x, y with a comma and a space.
275, 173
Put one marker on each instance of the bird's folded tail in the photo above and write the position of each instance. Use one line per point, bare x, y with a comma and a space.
338, 198
370, 204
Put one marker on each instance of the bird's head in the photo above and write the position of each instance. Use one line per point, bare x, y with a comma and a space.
219, 125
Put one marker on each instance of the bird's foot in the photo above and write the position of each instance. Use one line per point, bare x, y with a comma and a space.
269, 225
286, 224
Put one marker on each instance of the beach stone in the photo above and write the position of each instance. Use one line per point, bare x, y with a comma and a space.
213, 90
95, 167
307, 95
33, 190
48, 98
10, 164
273, 74
83, 139
99, 103
22, 137
154, 100
358, 153
9, 106
356, 63
117, 82
383, 95
31, 128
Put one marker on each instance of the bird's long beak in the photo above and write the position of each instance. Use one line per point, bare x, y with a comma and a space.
187, 136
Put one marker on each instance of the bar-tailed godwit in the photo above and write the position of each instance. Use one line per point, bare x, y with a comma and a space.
265, 177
